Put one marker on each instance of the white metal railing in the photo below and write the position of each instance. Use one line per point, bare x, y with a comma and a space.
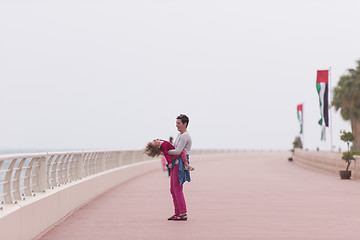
22, 175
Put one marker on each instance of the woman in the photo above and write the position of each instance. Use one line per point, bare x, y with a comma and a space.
178, 175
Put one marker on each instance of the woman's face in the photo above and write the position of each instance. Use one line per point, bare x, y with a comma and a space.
181, 127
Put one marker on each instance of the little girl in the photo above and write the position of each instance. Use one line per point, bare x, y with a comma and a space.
158, 146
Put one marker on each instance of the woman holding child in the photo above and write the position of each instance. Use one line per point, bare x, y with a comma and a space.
178, 159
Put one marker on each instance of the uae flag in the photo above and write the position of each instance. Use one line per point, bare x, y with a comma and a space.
322, 89
300, 116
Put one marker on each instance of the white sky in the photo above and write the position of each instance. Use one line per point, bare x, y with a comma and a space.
107, 74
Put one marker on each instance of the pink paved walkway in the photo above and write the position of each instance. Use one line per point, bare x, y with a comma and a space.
244, 196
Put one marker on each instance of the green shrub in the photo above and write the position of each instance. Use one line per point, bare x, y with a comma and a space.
352, 153
349, 155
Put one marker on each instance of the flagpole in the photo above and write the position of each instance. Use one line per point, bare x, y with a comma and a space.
302, 132
331, 132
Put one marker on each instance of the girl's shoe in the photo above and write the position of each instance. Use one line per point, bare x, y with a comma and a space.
189, 168
180, 217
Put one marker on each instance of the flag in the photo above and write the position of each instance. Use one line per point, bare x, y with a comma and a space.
300, 116
322, 89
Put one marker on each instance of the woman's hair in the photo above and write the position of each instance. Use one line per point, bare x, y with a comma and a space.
151, 150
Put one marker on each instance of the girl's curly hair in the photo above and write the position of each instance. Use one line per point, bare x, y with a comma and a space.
151, 150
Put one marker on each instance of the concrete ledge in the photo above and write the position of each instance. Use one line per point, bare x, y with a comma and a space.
327, 162
31, 217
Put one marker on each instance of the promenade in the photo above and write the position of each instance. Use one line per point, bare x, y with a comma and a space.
231, 196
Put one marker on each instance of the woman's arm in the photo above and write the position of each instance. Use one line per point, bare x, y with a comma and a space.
173, 157
180, 147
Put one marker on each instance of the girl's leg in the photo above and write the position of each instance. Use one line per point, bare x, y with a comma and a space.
182, 155
184, 158
163, 163
173, 157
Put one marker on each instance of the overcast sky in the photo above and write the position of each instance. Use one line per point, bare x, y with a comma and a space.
91, 74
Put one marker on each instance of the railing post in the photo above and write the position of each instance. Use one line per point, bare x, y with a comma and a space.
16, 184
119, 158
103, 160
42, 174
79, 166
7, 186
133, 157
